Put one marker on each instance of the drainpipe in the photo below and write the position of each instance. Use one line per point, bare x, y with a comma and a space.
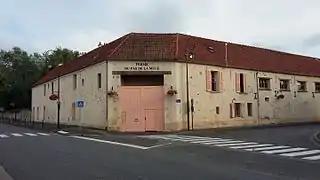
258, 97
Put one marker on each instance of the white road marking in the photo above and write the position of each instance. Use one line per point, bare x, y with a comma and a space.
251, 146
283, 150
16, 134
213, 141
3, 136
112, 142
44, 134
30, 134
302, 153
222, 142
313, 158
235, 144
267, 148
63, 132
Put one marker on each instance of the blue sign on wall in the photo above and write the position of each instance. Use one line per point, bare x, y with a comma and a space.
80, 103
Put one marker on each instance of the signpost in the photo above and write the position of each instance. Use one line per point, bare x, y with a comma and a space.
80, 104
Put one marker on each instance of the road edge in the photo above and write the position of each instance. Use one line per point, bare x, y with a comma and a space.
4, 174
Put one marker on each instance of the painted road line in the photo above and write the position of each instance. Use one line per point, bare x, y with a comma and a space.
313, 158
190, 138
222, 142
213, 141
251, 146
3, 136
16, 134
283, 150
63, 132
111, 142
44, 134
30, 134
235, 144
266, 148
302, 153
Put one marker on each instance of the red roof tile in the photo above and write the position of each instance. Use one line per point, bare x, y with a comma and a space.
174, 47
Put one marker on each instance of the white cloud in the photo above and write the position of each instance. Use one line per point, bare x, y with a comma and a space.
38, 25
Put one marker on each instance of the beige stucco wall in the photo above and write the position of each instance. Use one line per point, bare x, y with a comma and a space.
301, 108
101, 111
94, 114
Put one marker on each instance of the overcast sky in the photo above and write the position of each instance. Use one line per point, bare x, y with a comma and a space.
37, 25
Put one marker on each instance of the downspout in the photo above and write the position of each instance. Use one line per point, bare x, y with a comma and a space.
258, 97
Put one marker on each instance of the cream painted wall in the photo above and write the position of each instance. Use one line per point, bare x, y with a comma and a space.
101, 111
94, 114
294, 109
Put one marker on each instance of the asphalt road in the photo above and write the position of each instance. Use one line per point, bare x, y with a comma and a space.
47, 156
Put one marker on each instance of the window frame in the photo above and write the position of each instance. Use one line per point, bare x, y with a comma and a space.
285, 80
75, 81
269, 83
306, 86
99, 79
315, 87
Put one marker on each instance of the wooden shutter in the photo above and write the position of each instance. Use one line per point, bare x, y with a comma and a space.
232, 110
237, 82
208, 81
220, 82
245, 82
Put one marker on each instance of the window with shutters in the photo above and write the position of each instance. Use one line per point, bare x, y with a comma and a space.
264, 83
237, 110
240, 82
214, 81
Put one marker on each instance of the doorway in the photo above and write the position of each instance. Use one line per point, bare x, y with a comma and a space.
142, 103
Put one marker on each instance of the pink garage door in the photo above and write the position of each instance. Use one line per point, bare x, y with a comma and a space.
142, 108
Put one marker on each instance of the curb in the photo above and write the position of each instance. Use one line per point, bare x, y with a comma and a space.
316, 138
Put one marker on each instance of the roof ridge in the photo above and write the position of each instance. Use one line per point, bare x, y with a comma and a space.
120, 44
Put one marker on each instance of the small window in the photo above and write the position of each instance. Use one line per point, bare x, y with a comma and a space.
74, 81
217, 110
264, 83
302, 86
44, 89
82, 82
99, 80
52, 87
249, 109
317, 86
48, 86
284, 84
237, 109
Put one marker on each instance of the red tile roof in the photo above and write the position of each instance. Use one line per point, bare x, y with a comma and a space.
174, 47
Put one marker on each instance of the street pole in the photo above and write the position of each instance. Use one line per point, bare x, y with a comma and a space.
187, 86
58, 104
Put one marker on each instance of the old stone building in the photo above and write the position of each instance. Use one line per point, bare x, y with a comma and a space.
145, 82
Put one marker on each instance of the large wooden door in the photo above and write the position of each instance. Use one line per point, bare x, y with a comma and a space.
142, 108
153, 104
131, 119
